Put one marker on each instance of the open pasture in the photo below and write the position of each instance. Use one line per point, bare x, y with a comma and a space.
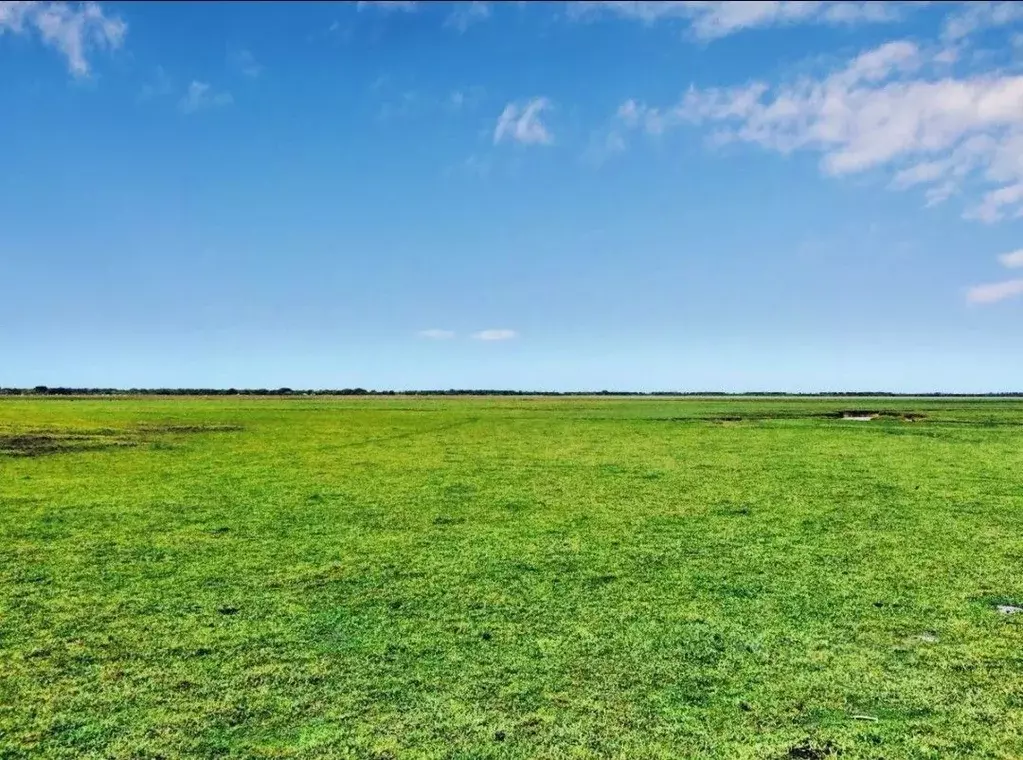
400, 577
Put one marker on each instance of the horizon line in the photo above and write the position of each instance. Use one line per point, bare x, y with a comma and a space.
42, 390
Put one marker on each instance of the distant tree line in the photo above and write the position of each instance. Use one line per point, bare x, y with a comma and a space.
42, 390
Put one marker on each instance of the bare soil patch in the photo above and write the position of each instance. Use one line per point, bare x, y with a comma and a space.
41, 444
45, 442
810, 750
188, 428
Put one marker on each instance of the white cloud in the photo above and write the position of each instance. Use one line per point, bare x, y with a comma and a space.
975, 16
13, 14
939, 193
437, 334
387, 5
880, 111
466, 14
996, 291
522, 123
495, 335
711, 20
200, 95
994, 204
245, 63
74, 31
926, 171
1012, 260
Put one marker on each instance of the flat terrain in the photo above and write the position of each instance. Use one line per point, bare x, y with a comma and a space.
510, 578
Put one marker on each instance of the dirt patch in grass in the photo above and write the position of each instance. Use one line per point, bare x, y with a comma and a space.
809, 750
42, 443
866, 414
188, 428
446, 520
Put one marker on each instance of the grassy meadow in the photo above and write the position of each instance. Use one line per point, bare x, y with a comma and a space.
392, 577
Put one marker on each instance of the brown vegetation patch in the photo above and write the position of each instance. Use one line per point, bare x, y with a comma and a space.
43, 442
810, 750
40, 444
188, 428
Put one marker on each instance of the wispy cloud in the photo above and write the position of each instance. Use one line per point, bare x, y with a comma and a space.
437, 334
523, 124
200, 95
406, 6
474, 165
467, 97
74, 31
1012, 260
940, 193
975, 16
996, 204
401, 99
880, 111
160, 86
399, 105
245, 63
602, 146
495, 335
466, 14
996, 291
711, 20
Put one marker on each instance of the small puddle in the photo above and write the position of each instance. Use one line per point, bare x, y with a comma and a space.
866, 415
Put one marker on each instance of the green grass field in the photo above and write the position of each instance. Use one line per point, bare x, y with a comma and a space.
510, 578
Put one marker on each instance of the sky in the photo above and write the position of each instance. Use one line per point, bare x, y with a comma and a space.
791, 196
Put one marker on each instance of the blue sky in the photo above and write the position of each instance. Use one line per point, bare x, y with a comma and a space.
620, 195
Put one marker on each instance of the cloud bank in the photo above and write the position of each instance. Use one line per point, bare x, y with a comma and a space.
713, 20
891, 108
